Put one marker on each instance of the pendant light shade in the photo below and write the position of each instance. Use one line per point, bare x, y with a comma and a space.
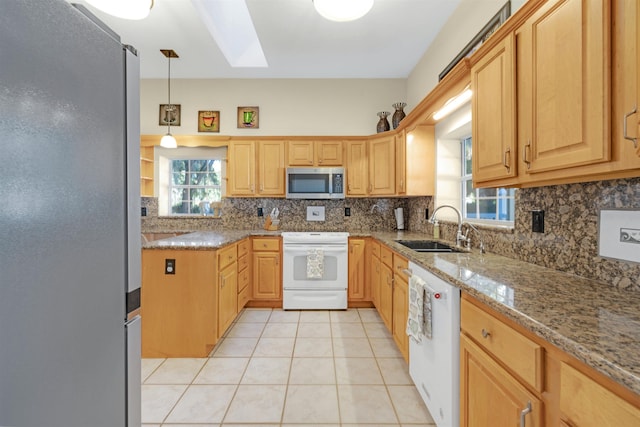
126, 9
168, 141
343, 10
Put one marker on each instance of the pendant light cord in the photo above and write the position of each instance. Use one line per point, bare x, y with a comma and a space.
170, 108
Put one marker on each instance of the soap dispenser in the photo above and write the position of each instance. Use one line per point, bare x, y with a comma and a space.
436, 230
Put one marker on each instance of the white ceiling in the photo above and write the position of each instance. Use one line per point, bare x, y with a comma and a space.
297, 42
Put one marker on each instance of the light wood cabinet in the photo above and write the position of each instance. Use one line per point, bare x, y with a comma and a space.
256, 168
400, 305
242, 168
629, 22
374, 273
564, 84
415, 161
267, 269
179, 309
227, 286
490, 396
575, 81
357, 285
585, 403
271, 169
357, 168
146, 171
244, 273
385, 308
501, 372
494, 113
523, 356
314, 153
382, 171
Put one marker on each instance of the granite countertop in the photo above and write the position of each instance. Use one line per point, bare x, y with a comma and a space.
594, 322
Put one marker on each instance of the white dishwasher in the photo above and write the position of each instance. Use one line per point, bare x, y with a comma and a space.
434, 363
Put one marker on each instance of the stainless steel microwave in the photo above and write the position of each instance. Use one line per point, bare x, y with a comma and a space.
315, 183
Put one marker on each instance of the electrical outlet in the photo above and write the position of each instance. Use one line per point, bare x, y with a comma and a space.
347, 211
169, 266
426, 213
260, 212
143, 211
537, 221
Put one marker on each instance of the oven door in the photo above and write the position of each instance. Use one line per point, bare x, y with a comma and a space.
334, 267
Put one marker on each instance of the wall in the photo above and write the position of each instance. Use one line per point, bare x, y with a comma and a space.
467, 21
287, 106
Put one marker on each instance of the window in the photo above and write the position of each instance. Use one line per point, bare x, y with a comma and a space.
185, 177
193, 184
491, 204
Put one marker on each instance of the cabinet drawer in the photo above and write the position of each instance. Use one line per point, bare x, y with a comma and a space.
514, 350
266, 244
400, 264
243, 297
243, 262
375, 248
584, 402
243, 247
226, 256
243, 280
386, 256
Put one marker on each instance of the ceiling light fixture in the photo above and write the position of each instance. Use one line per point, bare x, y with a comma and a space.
453, 104
343, 10
168, 141
126, 9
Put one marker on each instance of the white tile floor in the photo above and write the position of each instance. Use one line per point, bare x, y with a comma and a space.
288, 368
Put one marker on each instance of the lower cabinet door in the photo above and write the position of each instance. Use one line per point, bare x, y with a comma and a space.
490, 396
227, 297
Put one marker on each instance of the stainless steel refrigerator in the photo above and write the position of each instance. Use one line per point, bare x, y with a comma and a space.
69, 220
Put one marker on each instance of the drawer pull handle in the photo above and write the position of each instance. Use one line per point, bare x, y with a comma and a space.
524, 413
485, 333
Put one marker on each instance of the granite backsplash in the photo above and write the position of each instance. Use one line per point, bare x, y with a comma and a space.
569, 243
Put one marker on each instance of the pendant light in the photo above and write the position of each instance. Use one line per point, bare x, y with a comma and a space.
343, 10
168, 141
126, 9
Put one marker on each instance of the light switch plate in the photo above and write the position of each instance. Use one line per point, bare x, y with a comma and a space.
619, 234
315, 213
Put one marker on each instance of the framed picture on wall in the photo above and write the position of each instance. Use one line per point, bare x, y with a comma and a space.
248, 117
209, 121
169, 115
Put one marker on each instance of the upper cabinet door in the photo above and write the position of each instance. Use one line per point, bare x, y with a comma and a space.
329, 153
300, 153
242, 168
271, 168
564, 69
357, 168
382, 167
494, 114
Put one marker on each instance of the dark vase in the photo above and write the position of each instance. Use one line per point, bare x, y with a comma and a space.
383, 123
399, 114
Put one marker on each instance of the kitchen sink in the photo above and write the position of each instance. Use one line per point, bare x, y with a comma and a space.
425, 246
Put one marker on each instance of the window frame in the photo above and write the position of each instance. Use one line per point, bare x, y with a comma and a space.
190, 187
466, 177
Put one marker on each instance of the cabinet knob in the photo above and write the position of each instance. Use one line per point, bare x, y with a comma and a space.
485, 333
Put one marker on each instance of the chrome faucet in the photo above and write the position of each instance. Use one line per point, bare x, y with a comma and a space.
468, 239
459, 236
374, 207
